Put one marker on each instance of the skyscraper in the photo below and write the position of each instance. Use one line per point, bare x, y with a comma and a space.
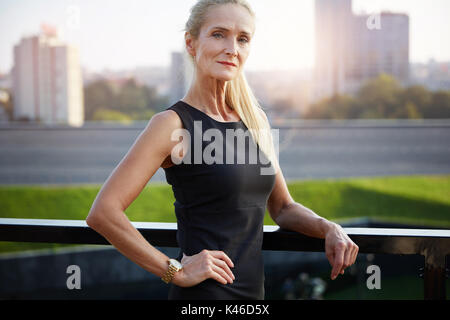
333, 20
47, 81
384, 48
351, 49
180, 75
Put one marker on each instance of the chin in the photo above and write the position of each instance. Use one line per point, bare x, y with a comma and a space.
225, 76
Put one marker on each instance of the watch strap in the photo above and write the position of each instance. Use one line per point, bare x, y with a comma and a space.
168, 276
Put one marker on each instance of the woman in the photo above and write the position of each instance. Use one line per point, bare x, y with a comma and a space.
220, 205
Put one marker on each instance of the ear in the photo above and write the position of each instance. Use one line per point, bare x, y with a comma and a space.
189, 43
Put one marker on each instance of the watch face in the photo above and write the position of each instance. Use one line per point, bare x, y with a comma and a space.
176, 263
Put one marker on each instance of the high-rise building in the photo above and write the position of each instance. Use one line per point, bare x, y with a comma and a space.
351, 49
180, 75
382, 48
332, 24
47, 82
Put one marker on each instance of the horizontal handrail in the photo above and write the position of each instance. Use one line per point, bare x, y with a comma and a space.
433, 244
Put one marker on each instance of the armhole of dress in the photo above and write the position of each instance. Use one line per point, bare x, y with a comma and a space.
182, 115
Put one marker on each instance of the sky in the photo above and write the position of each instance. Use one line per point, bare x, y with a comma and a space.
123, 34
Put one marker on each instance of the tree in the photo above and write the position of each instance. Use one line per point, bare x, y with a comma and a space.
407, 111
8, 105
383, 97
343, 107
379, 97
111, 115
318, 110
97, 95
440, 105
335, 107
139, 102
131, 98
415, 97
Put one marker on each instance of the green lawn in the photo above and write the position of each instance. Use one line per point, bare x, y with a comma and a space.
419, 199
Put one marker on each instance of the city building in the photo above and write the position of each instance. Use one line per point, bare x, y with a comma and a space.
351, 49
47, 81
181, 73
333, 22
5, 81
433, 74
382, 48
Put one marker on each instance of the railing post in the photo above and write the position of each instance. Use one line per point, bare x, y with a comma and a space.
434, 277
434, 252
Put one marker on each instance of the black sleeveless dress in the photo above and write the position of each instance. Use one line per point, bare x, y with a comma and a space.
220, 206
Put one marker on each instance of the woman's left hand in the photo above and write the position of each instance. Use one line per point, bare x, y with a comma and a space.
340, 250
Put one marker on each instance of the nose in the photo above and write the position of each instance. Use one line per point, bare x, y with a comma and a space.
231, 48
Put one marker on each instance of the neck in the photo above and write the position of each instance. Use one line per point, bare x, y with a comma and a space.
208, 94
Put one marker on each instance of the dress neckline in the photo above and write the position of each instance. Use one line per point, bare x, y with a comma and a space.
228, 122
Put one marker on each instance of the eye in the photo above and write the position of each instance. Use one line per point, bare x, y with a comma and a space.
219, 35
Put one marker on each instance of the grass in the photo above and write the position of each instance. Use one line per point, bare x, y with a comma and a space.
418, 199
422, 200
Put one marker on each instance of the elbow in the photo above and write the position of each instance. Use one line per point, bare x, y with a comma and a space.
100, 215
92, 219
95, 218
279, 217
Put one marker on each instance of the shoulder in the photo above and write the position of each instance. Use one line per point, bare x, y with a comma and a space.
160, 129
165, 120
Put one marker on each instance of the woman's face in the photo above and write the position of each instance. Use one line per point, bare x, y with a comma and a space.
224, 37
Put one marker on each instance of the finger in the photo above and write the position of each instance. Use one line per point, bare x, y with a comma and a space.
348, 257
214, 275
221, 272
222, 255
337, 263
330, 257
355, 254
222, 264
352, 255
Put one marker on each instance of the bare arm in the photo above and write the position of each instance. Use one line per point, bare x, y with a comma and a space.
122, 187
340, 250
125, 183
292, 215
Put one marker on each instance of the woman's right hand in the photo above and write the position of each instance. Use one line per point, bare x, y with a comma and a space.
204, 265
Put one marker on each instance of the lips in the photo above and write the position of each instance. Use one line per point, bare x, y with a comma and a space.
227, 63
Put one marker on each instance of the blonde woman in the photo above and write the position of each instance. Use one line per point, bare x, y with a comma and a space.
219, 204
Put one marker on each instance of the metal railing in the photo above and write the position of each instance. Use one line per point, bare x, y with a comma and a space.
432, 244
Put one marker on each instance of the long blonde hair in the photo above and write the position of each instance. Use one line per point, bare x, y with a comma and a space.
238, 94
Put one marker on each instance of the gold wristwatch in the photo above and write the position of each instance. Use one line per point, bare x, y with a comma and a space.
174, 266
